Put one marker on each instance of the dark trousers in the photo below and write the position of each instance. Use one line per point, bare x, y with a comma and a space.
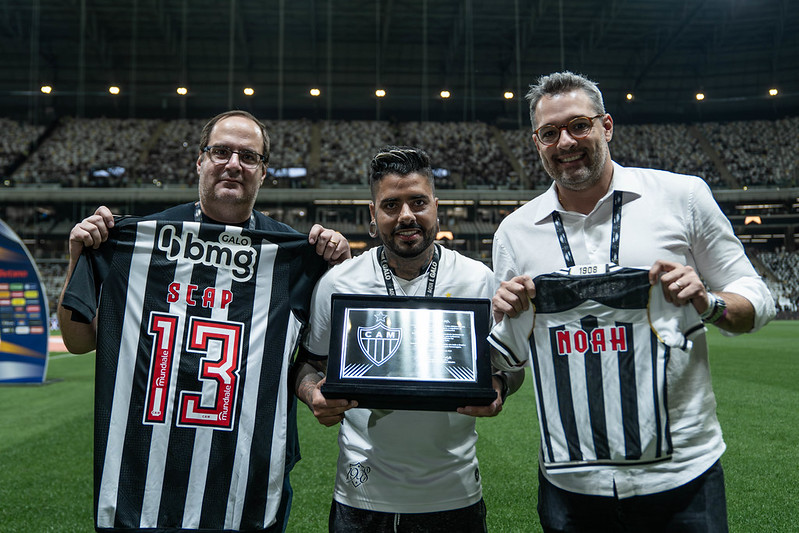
346, 519
697, 507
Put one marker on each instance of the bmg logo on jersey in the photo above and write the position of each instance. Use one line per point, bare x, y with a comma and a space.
232, 251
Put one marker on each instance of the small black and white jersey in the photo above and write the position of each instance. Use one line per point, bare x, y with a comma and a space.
599, 346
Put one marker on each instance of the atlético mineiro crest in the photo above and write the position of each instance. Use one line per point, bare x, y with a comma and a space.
379, 342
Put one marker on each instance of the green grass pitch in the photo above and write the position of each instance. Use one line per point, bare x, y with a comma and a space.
46, 446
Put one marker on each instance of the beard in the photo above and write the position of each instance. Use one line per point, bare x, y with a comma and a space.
226, 203
409, 251
212, 191
582, 178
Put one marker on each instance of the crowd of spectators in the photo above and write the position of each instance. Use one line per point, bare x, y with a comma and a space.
78, 148
784, 282
16, 142
144, 153
468, 150
757, 153
744, 148
670, 147
291, 142
129, 152
169, 159
520, 142
346, 149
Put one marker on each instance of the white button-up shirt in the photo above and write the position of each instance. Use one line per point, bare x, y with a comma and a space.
664, 216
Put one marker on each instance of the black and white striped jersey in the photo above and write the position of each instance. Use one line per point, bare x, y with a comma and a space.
197, 324
599, 346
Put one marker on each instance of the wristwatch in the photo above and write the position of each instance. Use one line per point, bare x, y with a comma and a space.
716, 309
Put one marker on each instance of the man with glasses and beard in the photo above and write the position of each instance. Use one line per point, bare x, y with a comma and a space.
401, 470
629, 435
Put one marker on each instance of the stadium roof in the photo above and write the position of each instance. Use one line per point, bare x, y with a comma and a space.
661, 51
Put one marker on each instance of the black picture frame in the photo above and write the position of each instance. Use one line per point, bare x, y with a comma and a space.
409, 353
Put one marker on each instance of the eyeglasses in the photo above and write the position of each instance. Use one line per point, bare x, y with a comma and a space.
222, 154
578, 128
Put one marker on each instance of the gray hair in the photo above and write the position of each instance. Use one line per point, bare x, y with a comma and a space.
563, 82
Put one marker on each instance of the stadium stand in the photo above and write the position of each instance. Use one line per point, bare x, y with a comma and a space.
16, 143
85, 152
292, 147
672, 147
784, 280
134, 152
521, 146
102, 152
170, 154
346, 147
468, 150
756, 152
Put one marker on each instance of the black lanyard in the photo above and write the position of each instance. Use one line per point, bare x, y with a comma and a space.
198, 217
388, 277
615, 233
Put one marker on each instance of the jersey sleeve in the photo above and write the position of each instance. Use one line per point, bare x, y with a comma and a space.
317, 338
83, 290
510, 339
304, 270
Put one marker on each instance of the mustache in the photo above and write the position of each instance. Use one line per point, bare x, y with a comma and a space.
402, 227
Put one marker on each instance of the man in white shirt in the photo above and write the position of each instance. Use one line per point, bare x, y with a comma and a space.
597, 213
401, 470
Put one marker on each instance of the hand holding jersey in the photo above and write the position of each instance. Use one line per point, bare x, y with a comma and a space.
92, 231
680, 284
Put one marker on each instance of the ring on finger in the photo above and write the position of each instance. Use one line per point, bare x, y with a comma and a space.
679, 285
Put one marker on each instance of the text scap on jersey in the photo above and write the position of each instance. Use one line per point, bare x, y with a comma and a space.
231, 252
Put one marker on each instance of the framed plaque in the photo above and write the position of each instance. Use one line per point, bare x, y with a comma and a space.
404, 352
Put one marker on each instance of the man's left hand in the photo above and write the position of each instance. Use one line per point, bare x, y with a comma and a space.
492, 409
680, 284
